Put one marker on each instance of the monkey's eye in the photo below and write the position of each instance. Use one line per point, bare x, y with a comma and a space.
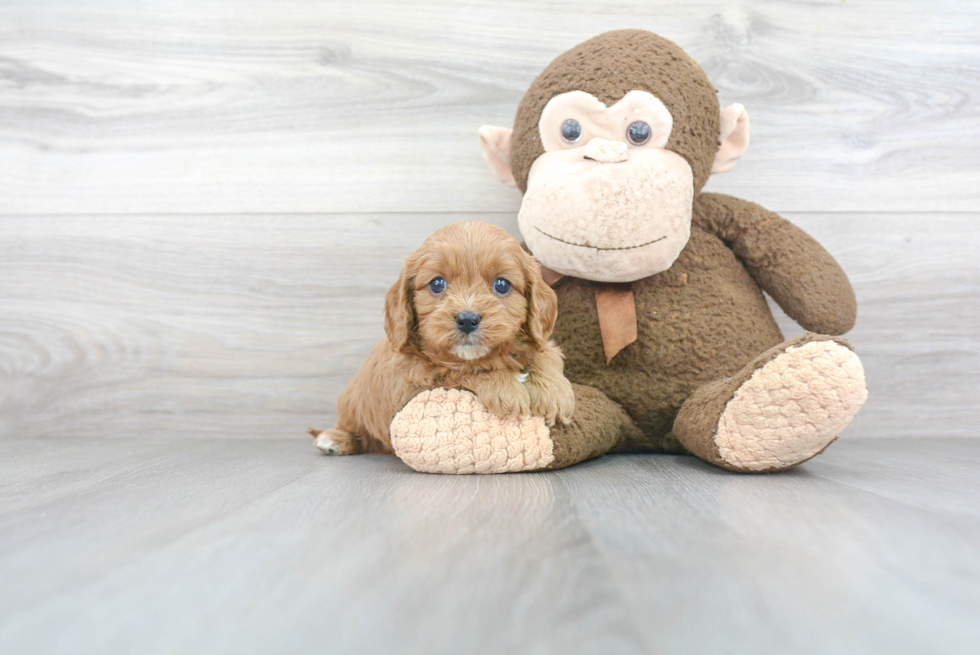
571, 130
501, 286
437, 285
638, 133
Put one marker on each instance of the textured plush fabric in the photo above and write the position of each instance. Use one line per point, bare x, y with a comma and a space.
792, 408
701, 320
608, 222
597, 426
705, 338
734, 138
781, 409
787, 262
610, 65
451, 431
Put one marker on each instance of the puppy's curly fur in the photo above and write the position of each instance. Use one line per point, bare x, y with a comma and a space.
425, 348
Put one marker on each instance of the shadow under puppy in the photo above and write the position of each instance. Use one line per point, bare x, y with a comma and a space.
471, 311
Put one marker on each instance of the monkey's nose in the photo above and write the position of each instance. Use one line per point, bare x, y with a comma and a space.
605, 151
467, 321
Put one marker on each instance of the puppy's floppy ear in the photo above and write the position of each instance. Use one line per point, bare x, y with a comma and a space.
400, 322
542, 303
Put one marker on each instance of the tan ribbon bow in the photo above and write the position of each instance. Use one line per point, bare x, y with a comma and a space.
617, 312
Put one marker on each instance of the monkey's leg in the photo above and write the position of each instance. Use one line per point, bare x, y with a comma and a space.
783, 408
451, 431
598, 424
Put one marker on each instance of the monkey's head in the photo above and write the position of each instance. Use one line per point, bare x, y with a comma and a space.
610, 146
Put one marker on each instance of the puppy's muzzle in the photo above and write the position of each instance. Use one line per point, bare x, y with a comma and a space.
467, 322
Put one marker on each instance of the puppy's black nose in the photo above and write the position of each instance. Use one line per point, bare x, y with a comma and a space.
467, 321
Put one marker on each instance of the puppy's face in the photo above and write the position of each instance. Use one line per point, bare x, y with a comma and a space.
470, 290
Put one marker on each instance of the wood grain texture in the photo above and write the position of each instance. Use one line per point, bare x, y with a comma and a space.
162, 546
201, 207
250, 326
273, 106
202, 203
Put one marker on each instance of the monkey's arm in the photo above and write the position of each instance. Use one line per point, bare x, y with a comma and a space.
788, 263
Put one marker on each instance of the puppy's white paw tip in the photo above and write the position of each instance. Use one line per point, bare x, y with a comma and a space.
327, 445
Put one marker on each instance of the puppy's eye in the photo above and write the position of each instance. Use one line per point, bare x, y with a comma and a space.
437, 285
571, 130
501, 286
638, 133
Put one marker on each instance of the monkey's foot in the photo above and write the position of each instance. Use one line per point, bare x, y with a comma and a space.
451, 431
784, 408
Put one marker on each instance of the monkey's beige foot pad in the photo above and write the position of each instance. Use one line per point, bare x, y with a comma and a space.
451, 431
792, 408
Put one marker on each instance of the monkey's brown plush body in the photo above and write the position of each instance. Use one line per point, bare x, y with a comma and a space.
702, 368
703, 320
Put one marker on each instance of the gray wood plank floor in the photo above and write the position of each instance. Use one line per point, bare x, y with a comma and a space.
201, 206
261, 546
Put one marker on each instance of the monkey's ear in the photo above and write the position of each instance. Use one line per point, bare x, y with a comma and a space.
734, 138
495, 144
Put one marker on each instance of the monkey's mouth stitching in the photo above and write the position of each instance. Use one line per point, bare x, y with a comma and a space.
582, 245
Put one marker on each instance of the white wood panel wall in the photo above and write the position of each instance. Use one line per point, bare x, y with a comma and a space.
202, 203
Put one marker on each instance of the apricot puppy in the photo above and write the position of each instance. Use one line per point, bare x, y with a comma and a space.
470, 311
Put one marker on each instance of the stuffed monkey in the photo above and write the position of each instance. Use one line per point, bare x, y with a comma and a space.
667, 336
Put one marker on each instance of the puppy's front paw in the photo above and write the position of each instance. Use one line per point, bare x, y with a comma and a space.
334, 442
509, 401
554, 402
